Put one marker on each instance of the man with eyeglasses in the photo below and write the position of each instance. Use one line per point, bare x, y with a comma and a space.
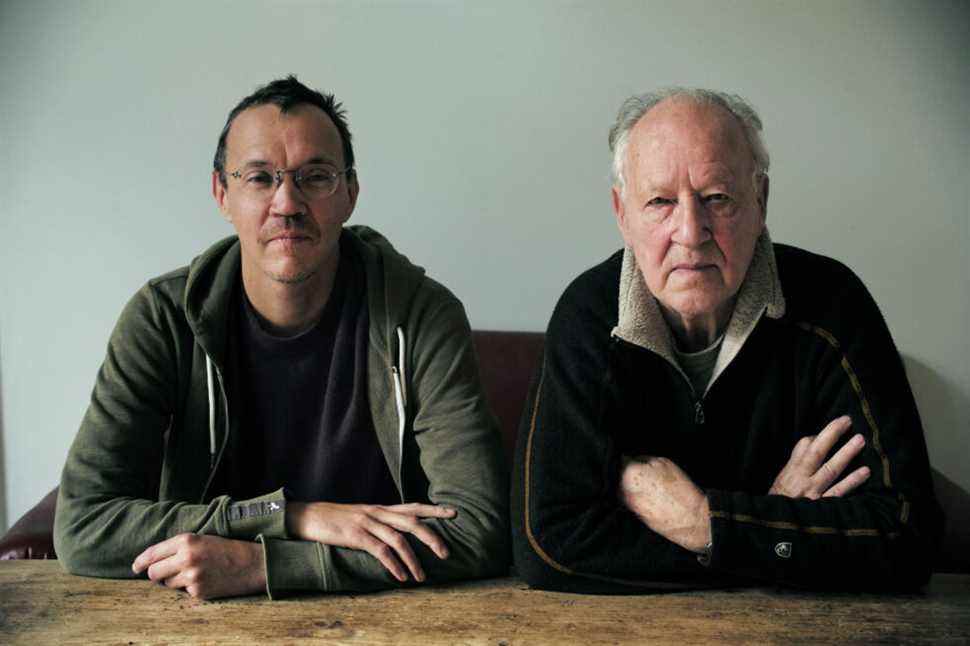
714, 409
299, 408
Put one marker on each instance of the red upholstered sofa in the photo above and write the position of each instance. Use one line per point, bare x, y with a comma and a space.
508, 361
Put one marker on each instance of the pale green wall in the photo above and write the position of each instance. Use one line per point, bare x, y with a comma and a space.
481, 134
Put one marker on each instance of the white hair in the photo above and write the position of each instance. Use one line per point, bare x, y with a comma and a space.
633, 109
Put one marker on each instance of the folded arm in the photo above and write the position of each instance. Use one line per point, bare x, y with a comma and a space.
452, 461
108, 508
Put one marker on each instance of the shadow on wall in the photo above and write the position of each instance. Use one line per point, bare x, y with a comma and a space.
3, 475
940, 405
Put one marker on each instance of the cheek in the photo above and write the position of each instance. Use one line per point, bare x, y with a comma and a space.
738, 248
650, 252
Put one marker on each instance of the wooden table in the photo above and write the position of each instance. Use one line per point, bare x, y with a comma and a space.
40, 604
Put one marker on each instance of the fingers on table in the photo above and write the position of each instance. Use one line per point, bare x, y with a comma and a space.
157, 552
391, 548
412, 525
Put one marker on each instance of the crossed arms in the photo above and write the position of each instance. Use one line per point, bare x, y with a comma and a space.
777, 499
668, 502
133, 492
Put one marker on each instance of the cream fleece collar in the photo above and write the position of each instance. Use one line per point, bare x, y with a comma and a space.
641, 323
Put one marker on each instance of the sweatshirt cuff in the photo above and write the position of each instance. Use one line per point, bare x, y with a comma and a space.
746, 545
265, 515
292, 566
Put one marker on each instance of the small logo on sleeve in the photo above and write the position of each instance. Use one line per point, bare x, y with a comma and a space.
783, 550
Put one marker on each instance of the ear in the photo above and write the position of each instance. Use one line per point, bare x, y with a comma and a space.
619, 210
353, 190
763, 197
219, 194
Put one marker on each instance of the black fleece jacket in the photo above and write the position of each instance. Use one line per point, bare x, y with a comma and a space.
598, 397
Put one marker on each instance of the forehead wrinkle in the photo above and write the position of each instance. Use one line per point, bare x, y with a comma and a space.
701, 143
265, 136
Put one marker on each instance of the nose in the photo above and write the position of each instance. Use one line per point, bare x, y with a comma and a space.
692, 223
288, 199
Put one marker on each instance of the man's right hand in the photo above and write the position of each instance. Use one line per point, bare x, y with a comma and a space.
376, 529
809, 475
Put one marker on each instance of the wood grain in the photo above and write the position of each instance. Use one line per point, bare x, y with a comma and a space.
40, 604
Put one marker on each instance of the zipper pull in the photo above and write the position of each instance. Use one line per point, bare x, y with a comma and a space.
698, 412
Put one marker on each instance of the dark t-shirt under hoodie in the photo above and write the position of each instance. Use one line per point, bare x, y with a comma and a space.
305, 422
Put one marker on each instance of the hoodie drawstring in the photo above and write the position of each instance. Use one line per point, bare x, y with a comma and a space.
400, 395
212, 410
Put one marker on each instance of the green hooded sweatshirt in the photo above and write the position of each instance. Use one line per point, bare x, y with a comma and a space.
141, 467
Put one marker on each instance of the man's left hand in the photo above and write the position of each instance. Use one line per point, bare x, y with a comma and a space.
206, 566
667, 501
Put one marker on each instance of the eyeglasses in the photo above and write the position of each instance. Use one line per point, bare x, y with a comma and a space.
314, 181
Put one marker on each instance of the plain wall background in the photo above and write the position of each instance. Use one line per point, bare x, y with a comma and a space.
480, 130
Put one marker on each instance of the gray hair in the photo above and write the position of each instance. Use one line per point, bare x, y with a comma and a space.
635, 107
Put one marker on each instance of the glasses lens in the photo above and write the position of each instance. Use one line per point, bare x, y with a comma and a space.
318, 181
257, 182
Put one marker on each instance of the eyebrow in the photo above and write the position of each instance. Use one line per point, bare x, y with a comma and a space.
255, 163
262, 163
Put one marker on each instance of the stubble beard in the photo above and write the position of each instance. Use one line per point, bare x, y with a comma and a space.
292, 279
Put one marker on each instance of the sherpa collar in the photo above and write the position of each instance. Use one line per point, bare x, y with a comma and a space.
641, 323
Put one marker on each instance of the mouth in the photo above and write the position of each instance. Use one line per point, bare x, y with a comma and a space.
694, 267
288, 241
289, 237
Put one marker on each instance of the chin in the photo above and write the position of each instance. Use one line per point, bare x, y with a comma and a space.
291, 275
696, 305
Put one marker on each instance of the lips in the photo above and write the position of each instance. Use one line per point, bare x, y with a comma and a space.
289, 237
694, 266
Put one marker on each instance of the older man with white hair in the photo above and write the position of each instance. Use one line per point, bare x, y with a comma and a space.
713, 408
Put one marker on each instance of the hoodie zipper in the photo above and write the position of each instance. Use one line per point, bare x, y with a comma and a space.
699, 412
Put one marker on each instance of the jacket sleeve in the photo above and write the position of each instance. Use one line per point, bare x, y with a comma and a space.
883, 535
570, 531
108, 509
457, 461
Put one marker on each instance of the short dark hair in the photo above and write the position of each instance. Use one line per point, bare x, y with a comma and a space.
287, 93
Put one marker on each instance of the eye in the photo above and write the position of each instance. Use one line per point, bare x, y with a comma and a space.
259, 178
317, 176
716, 198
660, 201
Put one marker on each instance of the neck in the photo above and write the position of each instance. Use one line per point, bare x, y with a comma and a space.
287, 309
695, 333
